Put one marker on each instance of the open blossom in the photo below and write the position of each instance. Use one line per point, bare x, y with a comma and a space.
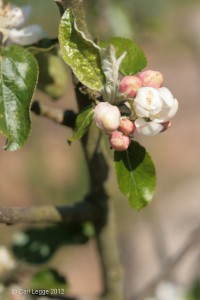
158, 105
150, 128
12, 20
107, 117
154, 108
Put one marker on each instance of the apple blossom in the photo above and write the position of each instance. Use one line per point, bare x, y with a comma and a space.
129, 85
119, 141
7, 262
151, 78
12, 18
150, 128
147, 102
107, 117
158, 105
126, 126
26, 36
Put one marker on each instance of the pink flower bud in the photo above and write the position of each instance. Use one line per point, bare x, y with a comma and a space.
118, 141
107, 117
151, 78
126, 126
129, 85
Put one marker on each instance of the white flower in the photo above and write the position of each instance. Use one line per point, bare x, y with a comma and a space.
147, 128
107, 117
12, 18
158, 105
27, 36
169, 291
6, 261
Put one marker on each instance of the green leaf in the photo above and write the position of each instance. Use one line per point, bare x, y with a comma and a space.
135, 175
80, 53
83, 122
19, 72
53, 77
48, 279
134, 60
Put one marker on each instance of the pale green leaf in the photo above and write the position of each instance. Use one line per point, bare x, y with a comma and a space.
83, 122
19, 72
53, 76
80, 53
135, 175
110, 68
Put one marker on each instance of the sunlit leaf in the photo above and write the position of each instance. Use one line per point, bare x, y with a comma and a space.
19, 72
80, 53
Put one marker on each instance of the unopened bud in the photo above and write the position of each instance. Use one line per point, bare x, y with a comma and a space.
118, 141
107, 117
151, 78
129, 85
126, 126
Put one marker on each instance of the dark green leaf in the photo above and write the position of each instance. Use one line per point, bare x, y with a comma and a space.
134, 60
135, 175
83, 122
37, 245
80, 53
48, 279
44, 45
19, 72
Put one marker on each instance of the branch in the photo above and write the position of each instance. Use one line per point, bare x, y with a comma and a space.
80, 212
65, 118
77, 7
170, 263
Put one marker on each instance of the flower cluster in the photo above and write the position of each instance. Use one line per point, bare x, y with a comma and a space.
12, 20
152, 108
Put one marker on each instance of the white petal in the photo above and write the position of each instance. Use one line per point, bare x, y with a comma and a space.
141, 111
17, 16
27, 36
167, 113
148, 99
166, 96
148, 128
173, 110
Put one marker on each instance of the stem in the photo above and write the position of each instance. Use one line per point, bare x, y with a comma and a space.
79, 212
105, 226
65, 118
77, 7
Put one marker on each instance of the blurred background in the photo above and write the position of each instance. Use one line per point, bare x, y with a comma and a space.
48, 171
